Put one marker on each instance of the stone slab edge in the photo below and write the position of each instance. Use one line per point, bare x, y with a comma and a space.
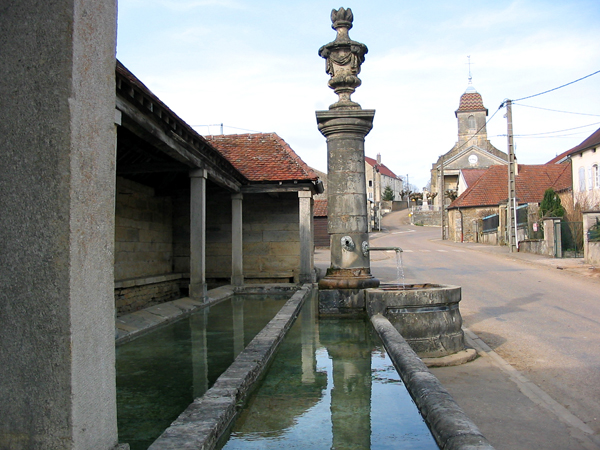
203, 422
136, 324
448, 423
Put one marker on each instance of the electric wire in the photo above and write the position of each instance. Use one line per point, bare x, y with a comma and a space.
557, 131
559, 111
556, 88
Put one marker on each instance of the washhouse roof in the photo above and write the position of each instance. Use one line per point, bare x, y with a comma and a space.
383, 169
491, 188
262, 157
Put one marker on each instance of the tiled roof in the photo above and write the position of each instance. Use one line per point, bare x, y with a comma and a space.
383, 169
531, 183
471, 101
472, 175
262, 157
320, 208
591, 141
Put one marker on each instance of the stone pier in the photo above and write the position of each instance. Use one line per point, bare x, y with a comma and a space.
57, 198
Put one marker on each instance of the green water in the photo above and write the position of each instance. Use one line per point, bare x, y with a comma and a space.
330, 386
160, 374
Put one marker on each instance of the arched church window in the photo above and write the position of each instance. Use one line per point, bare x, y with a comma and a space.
471, 122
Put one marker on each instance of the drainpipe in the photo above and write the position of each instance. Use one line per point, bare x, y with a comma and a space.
462, 232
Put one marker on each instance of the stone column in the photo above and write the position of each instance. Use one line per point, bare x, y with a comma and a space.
57, 198
345, 126
198, 323
307, 244
198, 233
237, 260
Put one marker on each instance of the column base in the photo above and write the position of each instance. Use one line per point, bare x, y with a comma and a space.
198, 291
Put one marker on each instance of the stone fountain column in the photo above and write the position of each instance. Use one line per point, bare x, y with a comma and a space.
345, 126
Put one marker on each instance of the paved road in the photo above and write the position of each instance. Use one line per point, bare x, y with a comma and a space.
543, 321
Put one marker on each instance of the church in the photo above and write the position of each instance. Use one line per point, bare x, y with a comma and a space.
473, 150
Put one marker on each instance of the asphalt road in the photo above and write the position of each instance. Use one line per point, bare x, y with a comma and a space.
543, 321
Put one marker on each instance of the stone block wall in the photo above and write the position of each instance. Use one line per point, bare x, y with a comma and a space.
143, 231
271, 237
427, 218
463, 224
147, 293
591, 249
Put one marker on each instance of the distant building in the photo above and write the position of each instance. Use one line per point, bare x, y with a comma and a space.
473, 150
585, 161
378, 177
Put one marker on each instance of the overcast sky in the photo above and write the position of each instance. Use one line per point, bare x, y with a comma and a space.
253, 66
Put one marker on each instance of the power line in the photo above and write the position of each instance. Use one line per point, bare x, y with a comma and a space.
556, 110
557, 131
556, 88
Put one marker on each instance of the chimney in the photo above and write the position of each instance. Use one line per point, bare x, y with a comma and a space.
379, 158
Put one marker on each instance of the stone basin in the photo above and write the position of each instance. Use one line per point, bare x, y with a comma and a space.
426, 315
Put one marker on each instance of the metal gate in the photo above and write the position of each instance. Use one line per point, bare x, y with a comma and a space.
568, 240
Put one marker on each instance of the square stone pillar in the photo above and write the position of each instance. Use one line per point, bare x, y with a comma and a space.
307, 243
237, 251
198, 233
57, 198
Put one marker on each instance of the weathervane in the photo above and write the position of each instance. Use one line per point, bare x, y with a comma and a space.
343, 60
469, 63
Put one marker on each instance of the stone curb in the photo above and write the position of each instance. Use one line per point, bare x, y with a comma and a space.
451, 360
203, 422
449, 425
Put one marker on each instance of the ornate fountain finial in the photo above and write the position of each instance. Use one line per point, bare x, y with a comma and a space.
343, 59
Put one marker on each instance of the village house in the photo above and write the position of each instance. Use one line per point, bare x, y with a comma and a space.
486, 199
379, 177
584, 160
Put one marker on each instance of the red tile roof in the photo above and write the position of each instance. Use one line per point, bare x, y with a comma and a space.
591, 141
383, 169
531, 183
472, 175
471, 101
262, 157
320, 208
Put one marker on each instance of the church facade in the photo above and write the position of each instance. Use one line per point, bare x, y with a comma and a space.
473, 150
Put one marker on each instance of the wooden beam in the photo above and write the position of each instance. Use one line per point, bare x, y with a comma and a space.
176, 147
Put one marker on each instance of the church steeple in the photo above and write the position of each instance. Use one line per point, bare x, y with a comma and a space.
471, 115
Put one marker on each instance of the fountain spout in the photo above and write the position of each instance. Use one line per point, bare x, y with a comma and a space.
366, 249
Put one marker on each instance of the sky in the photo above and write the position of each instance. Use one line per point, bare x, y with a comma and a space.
253, 66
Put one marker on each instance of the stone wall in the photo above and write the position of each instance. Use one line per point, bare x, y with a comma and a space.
591, 250
271, 238
463, 224
143, 232
536, 246
139, 293
427, 218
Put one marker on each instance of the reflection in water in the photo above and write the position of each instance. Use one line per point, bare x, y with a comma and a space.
160, 374
331, 385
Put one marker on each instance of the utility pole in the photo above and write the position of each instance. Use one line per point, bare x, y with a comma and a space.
511, 207
442, 199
